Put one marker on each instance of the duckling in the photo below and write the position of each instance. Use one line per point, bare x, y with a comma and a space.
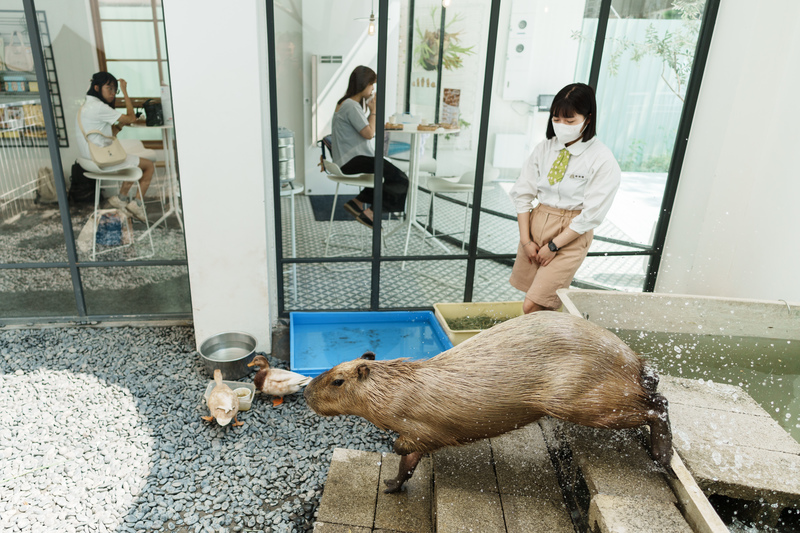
276, 381
223, 403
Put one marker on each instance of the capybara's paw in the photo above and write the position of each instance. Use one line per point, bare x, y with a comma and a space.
392, 486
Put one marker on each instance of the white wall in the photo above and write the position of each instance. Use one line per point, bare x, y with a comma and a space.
219, 85
734, 226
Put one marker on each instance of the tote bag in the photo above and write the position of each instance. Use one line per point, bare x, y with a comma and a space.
103, 156
18, 56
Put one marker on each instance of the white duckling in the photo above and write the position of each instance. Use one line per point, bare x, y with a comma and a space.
223, 403
276, 381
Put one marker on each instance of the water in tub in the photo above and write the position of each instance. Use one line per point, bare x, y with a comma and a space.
768, 369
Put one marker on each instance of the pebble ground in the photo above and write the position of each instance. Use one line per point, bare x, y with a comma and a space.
100, 431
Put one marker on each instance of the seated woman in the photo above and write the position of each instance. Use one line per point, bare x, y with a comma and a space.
98, 113
354, 150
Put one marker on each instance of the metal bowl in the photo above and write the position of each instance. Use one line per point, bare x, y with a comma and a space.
230, 352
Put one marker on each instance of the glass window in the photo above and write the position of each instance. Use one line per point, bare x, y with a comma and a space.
159, 290
36, 292
32, 230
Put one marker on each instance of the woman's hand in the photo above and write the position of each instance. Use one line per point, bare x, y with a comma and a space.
545, 255
123, 86
531, 251
371, 104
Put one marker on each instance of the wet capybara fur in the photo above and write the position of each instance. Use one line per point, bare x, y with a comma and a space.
542, 364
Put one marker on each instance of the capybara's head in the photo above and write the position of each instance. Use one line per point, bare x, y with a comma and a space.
339, 391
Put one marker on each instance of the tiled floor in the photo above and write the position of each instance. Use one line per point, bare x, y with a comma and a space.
423, 283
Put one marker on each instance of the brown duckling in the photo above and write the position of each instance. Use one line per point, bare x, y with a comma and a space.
223, 403
276, 381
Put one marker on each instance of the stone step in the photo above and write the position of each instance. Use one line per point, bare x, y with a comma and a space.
353, 500
733, 447
505, 484
508, 484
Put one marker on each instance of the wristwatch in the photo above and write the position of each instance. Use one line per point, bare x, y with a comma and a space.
552, 246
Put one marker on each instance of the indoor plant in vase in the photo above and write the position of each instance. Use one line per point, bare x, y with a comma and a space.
427, 51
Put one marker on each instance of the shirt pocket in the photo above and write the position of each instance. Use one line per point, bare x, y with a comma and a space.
573, 184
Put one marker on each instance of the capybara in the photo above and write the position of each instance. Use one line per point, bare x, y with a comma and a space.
544, 363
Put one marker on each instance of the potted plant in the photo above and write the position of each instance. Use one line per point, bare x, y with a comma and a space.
427, 51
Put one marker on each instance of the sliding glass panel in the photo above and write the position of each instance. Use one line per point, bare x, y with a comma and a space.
647, 60
36, 292
539, 50
30, 225
491, 282
447, 66
422, 283
317, 286
137, 290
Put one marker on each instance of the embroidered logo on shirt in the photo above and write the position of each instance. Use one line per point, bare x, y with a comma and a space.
577, 176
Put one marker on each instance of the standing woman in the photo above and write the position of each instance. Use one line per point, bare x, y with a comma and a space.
352, 133
575, 178
98, 113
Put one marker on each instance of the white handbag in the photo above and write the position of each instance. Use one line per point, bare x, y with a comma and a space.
18, 56
103, 156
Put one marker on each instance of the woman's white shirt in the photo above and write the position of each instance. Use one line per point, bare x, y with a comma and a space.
95, 115
590, 181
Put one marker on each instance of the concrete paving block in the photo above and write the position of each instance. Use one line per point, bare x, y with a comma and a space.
709, 394
467, 509
745, 473
409, 511
616, 514
351, 488
615, 462
465, 466
532, 515
324, 527
523, 465
692, 425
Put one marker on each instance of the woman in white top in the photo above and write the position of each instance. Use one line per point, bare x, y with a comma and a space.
575, 178
352, 132
98, 113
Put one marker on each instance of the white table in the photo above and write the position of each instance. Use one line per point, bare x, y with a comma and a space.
172, 175
413, 179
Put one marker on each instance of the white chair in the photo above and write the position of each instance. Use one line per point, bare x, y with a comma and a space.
464, 184
335, 174
105, 179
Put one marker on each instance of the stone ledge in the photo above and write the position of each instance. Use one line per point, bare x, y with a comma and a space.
617, 514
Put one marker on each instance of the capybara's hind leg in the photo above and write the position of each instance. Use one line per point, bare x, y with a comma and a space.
660, 432
408, 463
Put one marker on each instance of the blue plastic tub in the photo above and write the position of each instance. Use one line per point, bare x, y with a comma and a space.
320, 341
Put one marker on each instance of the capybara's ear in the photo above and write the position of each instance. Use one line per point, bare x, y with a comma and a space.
369, 356
363, 372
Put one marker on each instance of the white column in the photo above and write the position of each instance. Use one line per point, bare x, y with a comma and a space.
218, 69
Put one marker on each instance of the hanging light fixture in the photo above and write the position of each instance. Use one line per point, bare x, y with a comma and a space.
371, 29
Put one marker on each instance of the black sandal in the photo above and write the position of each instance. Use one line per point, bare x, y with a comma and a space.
364, 219
351, 207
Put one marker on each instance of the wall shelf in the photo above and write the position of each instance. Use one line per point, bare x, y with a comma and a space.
14, 21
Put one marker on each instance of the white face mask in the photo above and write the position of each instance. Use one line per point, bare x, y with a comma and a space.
568, 132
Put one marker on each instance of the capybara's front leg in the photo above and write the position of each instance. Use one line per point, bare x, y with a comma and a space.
408, 463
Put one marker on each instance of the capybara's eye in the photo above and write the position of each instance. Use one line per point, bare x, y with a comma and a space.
337, 382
